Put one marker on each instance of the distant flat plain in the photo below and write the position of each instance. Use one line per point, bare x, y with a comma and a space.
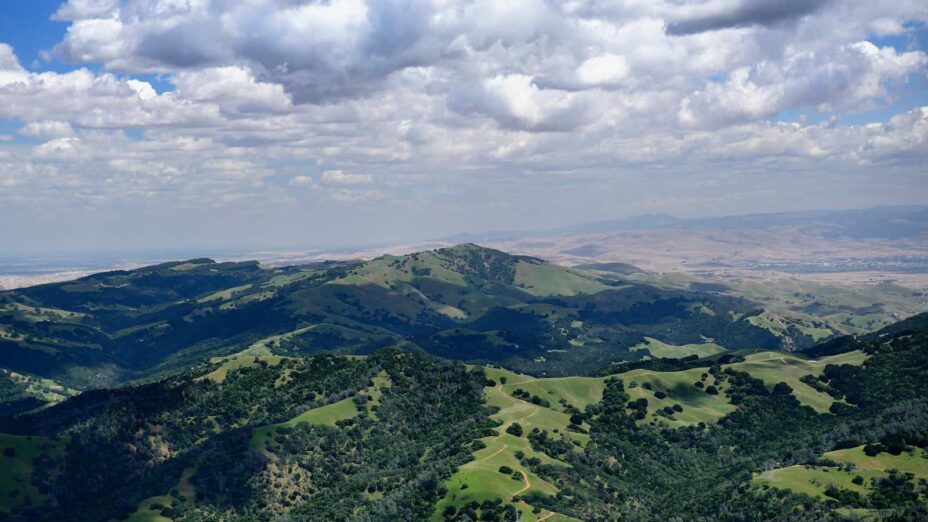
817, 253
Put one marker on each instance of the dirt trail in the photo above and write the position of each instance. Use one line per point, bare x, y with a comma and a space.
505, 446
528, 484
546, 517
495, 453
530, 415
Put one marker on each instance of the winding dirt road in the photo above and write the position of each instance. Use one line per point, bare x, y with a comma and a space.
527, 486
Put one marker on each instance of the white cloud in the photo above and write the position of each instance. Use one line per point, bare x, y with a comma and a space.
144, 89
81, 9
47, 129
61, 149
300, 181
515, 102
857, 73
355, 196
234, 89
337, 177
455, 103
8, 60
607, 70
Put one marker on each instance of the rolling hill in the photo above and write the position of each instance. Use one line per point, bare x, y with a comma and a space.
466, 302
402, 435
456, 384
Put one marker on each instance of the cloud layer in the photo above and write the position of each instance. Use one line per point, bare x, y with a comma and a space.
463, 105
744, 13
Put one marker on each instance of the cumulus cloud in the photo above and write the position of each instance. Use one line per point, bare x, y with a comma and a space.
301, 181
47, 129
517, 103
61, 149
725, 14
81, 9
319, 50
8, 60
446, 101
604, 70
856, 73
234, 89
355, 196
337, 177
144, 90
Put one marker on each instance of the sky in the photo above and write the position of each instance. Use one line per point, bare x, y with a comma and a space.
145, 124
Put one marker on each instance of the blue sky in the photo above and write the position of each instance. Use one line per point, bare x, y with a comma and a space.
149, 124
28, 27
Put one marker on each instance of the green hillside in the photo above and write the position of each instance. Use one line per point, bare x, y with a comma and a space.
802, 313
840, 469
203, 391
22, 458
401, 435
466, 302
669, 351
20, 393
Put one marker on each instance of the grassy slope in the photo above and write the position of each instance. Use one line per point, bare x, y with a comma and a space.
698, 406
326, 415
660, 349
16, 471
381, 382
239, 361
778, 324
576, 391
267, 345
387, 270
224, 295
483, 479
46, 390
329, 414
546, 280
774, 367
35, 314
482, 476
844, 310
813, 480
262, 347
679, 387
818, 310
147, 511
412, 275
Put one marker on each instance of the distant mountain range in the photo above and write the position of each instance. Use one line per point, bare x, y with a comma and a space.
865, 234
889, 222
466, 303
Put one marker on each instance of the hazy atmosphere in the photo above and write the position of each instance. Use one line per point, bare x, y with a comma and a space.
464, 260
279, 123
